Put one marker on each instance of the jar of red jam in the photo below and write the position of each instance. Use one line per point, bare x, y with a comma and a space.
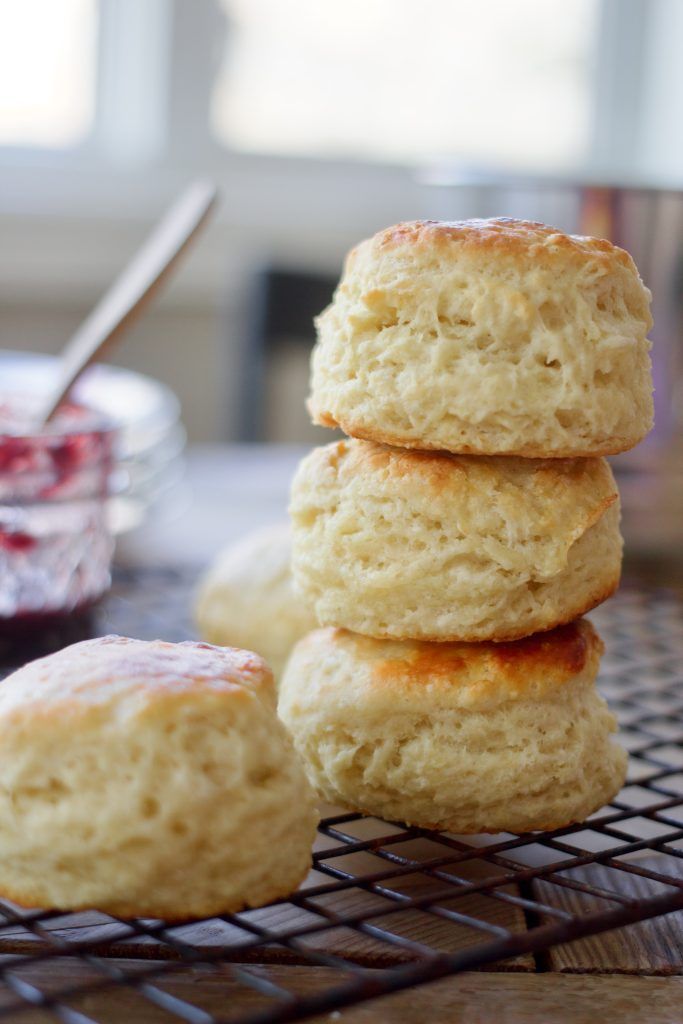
55, 542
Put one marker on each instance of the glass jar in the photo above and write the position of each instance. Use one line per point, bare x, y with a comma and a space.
55, 542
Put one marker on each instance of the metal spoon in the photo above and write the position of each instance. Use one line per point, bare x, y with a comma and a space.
132, 290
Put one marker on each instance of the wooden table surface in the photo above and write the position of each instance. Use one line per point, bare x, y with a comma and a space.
633, 975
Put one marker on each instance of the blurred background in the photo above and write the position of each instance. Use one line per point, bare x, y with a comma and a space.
322, 122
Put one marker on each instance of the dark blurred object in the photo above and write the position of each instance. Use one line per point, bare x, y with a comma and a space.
18, 645
649, 224
279, 338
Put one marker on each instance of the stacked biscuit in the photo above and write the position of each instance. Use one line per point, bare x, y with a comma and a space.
482, 370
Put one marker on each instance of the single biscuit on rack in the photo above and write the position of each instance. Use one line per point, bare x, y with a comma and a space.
460, 737
431, 546
487, 337
246, 598
149, 779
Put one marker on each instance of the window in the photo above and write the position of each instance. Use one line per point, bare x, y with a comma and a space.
167, 88
47, 71
491, 82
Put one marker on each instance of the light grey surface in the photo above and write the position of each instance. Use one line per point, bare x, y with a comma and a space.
227, 491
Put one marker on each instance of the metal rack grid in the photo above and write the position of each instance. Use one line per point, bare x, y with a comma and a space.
386, 907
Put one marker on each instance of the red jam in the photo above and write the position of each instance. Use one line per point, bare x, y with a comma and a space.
55, 544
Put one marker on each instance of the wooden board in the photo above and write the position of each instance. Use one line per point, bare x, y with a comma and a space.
651, 947
470, 998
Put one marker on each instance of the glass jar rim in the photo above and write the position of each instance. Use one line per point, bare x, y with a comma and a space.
87, 422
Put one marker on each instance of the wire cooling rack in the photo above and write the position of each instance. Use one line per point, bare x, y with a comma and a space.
385, 907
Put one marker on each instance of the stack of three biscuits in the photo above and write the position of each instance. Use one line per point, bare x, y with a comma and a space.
481, 370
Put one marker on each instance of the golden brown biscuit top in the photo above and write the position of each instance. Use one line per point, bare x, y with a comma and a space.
562, 651
577, 491
466, 674
496, 236
111, 669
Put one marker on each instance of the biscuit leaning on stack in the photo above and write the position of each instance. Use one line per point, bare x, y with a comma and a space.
482, 369
245, 599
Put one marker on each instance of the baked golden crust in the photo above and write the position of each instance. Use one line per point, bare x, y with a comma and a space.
363, 432
585, 486
558, 655
469, 674
508, 632
149, 779
486, 337
110, 669
391, 542
465, 738
497, 236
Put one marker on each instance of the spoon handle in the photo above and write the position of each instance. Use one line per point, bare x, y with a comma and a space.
133, 289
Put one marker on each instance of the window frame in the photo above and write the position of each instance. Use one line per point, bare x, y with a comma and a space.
139, 153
